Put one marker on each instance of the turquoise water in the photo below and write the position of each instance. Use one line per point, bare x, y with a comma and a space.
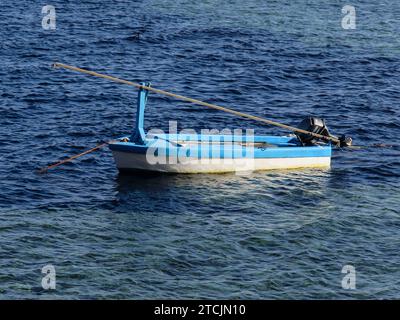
278, 234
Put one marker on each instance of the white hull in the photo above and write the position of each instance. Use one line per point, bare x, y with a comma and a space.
134, 161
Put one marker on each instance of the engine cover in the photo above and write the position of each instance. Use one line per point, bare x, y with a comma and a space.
315, 125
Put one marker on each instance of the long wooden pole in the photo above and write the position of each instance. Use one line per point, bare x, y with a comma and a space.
195, 101
45, 169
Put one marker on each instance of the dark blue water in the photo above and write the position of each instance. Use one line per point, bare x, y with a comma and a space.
278, 234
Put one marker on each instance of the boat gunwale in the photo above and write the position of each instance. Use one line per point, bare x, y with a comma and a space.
278, 150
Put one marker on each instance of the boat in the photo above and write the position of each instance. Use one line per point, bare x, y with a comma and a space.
215, 153
208, 152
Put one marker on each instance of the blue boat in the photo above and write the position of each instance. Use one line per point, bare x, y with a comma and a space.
212, 153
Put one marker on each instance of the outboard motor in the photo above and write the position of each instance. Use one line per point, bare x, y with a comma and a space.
315, 125
318, 126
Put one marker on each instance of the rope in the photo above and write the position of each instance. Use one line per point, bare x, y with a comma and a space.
195, 101
45, 169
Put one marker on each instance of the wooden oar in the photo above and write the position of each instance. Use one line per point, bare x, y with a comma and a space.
202, 103
45, 169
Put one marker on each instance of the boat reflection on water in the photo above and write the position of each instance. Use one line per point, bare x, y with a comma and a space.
265, 200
